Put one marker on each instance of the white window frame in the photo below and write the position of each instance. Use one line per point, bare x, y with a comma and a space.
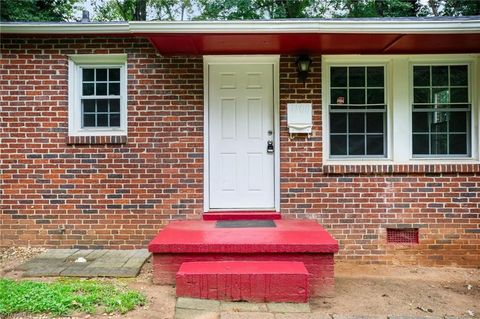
473, 138
352, 61
75, 65
386, 101
399, 91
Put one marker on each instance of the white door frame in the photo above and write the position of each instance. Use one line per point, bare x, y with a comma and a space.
274, 60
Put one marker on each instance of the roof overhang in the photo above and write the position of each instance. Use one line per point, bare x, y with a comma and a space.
313, 36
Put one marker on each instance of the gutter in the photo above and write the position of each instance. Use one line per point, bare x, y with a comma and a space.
359, 26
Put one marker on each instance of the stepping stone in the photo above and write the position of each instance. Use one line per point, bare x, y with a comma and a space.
99, 263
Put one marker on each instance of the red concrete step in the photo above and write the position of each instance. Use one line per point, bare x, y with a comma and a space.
255, 281
241, 215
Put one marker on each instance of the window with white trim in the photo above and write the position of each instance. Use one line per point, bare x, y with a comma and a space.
97, 95
357, 111
441, 110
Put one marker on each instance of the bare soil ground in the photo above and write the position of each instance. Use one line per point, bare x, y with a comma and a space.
360, 290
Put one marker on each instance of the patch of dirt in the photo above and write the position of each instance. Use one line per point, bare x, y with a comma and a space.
360, 290
14, 256
403, 290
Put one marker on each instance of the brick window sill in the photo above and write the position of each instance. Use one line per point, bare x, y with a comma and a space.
96, 140
401, 168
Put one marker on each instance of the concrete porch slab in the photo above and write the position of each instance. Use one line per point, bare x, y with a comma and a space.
99, 263
291, 236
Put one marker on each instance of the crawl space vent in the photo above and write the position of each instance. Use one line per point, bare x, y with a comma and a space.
402, 236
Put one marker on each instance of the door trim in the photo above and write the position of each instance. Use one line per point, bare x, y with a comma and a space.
274, 60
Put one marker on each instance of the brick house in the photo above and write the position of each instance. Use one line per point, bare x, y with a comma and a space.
109, 131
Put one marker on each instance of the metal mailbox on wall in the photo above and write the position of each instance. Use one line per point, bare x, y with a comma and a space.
299, 118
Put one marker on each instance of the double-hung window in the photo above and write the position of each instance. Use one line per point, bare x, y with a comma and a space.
441, 111
97, 95
357, 111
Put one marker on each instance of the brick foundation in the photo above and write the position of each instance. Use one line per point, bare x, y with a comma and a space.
119, 195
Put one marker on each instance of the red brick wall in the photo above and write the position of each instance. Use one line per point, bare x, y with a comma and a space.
357, 204
105, 195
119, 195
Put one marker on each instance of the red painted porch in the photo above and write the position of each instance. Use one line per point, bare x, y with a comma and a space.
303, 241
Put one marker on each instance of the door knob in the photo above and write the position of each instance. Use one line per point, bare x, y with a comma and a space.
270, 148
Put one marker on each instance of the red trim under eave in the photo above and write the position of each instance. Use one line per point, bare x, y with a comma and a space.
297, 43
331, 43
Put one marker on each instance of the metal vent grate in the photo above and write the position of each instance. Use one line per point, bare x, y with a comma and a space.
402, 236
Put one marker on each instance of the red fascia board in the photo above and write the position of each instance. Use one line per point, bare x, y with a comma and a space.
331, 43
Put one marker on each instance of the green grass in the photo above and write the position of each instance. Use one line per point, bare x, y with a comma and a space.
63, 297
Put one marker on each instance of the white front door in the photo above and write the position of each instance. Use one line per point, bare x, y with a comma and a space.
240, 126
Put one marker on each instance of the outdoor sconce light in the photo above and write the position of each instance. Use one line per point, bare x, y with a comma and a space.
303, 67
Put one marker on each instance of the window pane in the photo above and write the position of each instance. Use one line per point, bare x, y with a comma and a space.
114, 105
375, 96
102, 105
375, 145
421, 95
374, 122
88, 75
88, 120
338, 144
458, 121
458, 144
88, 89
101, 89
356, 76
421, 76
420, 144
439, 121
356, 144
439, 143
440, 96
459, 95
88, 106
439, 75
338, 122
115, 120
356, 96
101, 75
356, 122
420, 122
114, 88
338, 76
338, 93
114, 75
375, 76
459, 75
102, 119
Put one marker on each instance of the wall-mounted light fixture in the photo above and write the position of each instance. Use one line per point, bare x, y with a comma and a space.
303, 67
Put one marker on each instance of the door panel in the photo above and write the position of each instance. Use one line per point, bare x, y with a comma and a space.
240, 119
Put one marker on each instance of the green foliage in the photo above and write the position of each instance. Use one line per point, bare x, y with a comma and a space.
125, 10
37, 10
260, 9
140, 10
461, 7
375, 8
64, 296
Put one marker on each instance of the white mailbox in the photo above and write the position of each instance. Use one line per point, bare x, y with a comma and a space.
299, 118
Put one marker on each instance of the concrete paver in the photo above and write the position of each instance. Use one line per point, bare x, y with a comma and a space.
243, 306
335, 316
288, 307
181, 313
199, 304
246, 315
301, 316
99, 263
